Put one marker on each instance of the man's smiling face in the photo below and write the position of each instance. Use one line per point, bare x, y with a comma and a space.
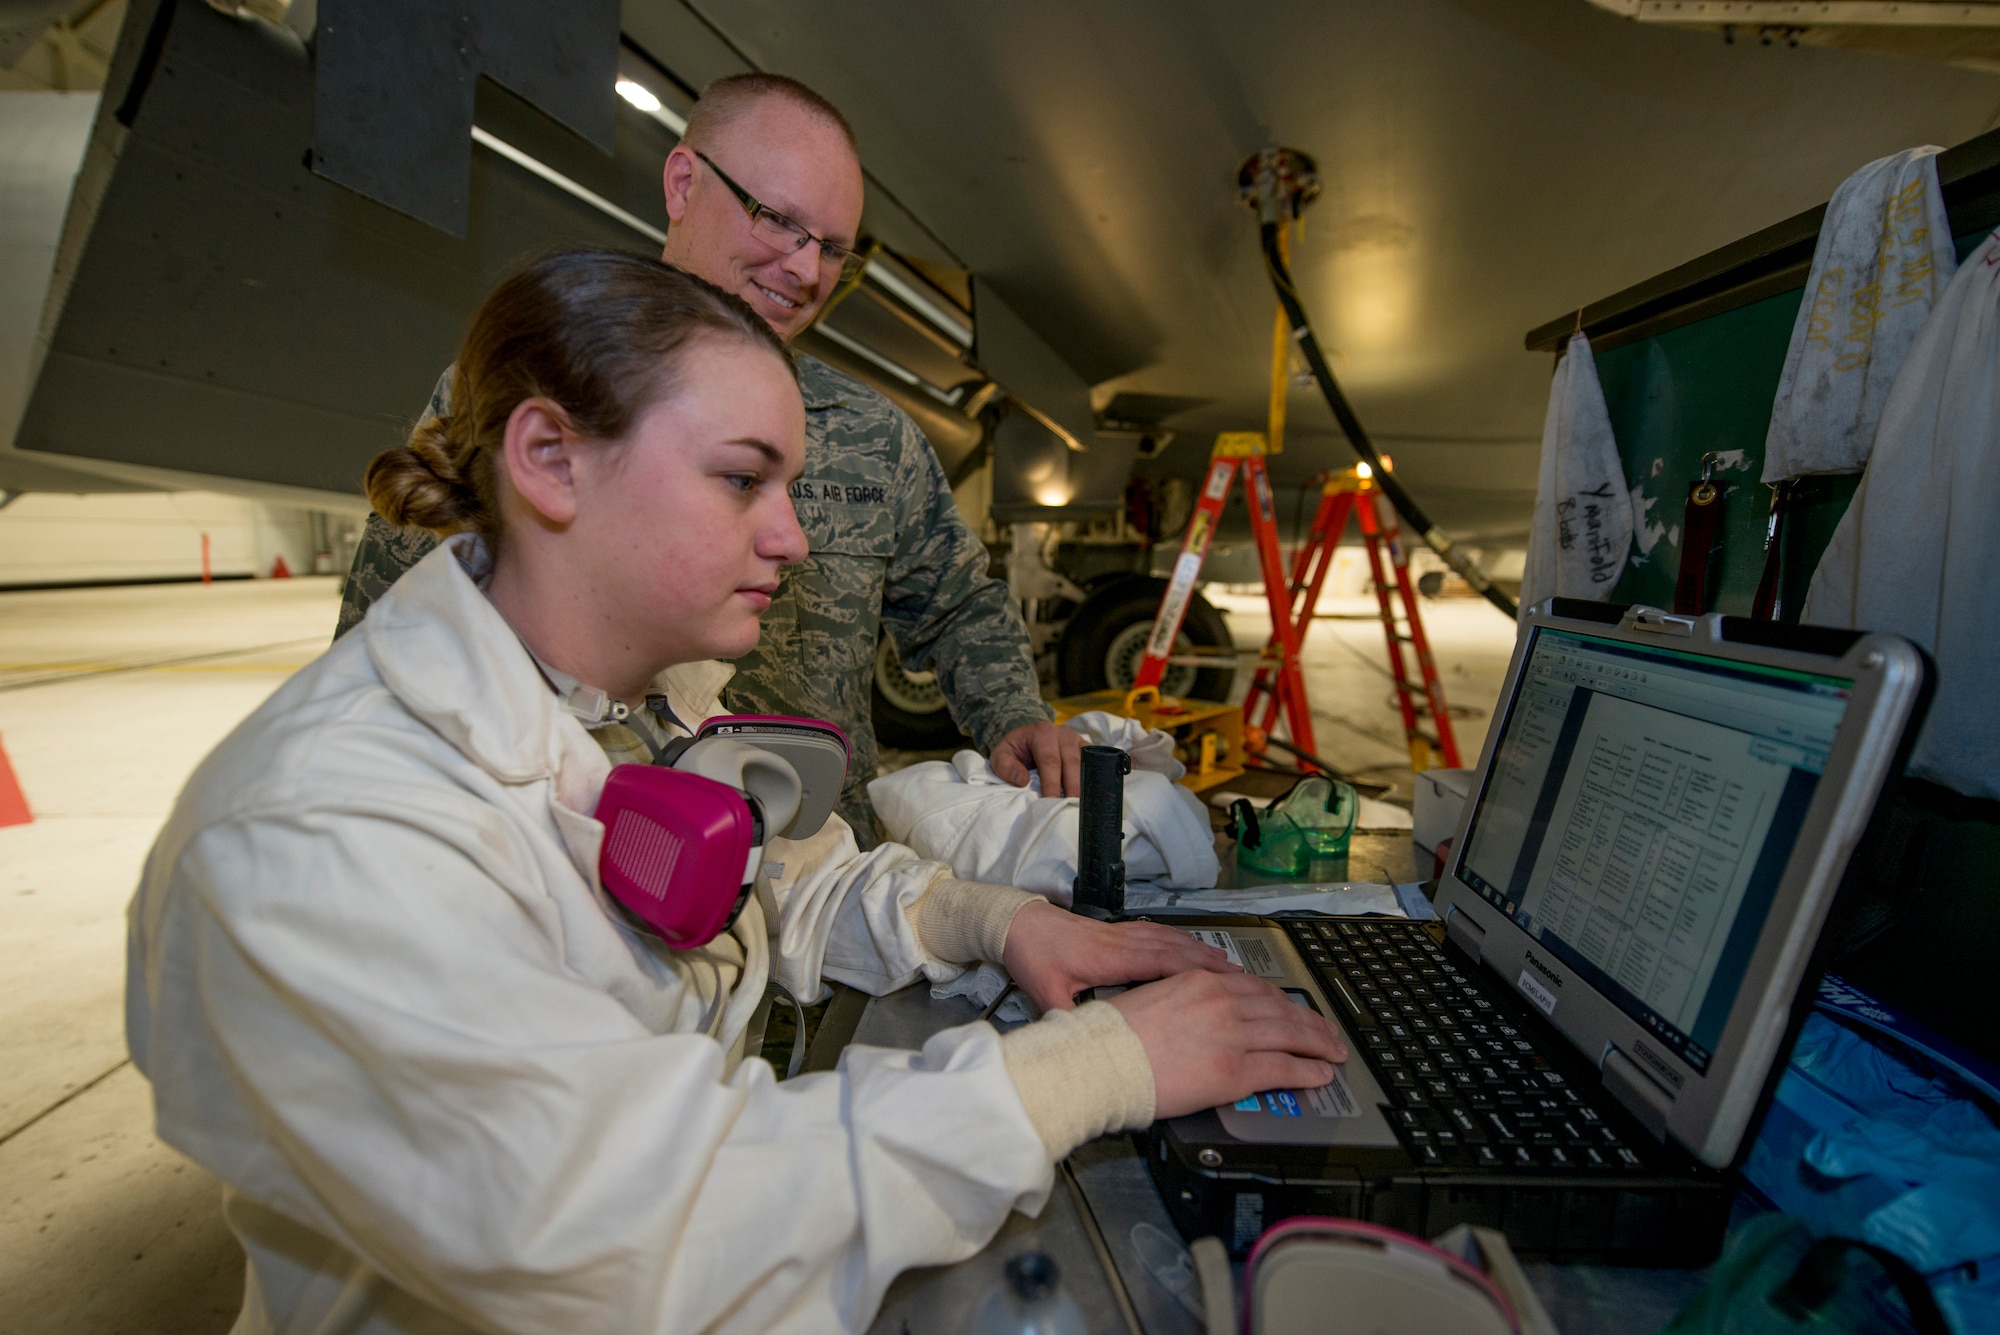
791, 161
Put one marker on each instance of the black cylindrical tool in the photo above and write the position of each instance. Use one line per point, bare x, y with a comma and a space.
1099, 891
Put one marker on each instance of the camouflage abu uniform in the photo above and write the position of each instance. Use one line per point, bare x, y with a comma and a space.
888, 549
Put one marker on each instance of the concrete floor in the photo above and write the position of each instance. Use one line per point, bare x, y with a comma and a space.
108, 698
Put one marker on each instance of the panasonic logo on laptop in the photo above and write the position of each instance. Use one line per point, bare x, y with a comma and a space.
1544, 970
1532, 989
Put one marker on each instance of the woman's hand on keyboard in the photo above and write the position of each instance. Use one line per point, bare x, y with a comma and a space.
1054, 954
1214, 1038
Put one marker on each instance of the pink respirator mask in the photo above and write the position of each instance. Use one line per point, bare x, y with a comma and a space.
684, 840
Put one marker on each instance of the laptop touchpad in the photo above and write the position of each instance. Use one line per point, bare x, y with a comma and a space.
1346, 1112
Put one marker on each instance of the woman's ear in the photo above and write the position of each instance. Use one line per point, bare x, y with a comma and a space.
540, 455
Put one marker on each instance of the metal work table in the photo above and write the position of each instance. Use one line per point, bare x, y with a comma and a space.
1100, 1193
1103, 1192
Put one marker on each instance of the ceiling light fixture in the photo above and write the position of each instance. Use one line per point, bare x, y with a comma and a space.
646, 101
638, 95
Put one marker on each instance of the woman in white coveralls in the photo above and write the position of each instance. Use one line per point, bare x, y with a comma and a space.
377, 988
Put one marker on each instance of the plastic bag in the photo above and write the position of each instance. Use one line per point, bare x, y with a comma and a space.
1775, 1278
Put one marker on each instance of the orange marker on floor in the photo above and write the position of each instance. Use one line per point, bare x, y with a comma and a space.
13, 802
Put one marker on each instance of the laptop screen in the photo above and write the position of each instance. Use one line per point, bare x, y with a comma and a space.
1638, 815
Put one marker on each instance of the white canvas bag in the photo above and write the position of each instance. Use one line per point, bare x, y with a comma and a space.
1582, 528
1918, 551
1882, 262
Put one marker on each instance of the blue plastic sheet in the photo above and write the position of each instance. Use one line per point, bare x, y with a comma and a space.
1864, 1143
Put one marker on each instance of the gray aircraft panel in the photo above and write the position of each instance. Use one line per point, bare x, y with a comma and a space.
227, 312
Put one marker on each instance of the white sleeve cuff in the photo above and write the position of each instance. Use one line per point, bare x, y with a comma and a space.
1081, 1074
965, 922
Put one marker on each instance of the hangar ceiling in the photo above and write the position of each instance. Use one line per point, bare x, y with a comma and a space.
1487, 163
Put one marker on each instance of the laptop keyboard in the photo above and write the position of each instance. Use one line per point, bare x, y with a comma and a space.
1470, 1087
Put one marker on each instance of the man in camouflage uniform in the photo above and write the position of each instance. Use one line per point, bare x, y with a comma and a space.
888, 546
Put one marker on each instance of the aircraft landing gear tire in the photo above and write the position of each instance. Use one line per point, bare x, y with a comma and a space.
1103, 643
908, 707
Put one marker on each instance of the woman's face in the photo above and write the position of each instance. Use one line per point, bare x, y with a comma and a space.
687, 522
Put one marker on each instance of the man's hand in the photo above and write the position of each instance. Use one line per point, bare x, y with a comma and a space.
1054, 954
1053, 752
1213, 1038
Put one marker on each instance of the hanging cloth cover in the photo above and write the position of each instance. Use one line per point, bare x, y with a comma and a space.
1883, 260
1917, 549
1582, 527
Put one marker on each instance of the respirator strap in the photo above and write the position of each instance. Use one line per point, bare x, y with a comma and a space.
595, 709
772, 992
668, 752
664, 713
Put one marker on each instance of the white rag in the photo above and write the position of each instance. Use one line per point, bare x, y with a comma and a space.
1917, 549
1582, 529
963, 813
1882, 262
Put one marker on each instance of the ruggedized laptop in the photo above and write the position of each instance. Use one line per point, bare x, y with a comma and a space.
1578, 1049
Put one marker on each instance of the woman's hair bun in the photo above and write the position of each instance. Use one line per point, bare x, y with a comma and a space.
428, 482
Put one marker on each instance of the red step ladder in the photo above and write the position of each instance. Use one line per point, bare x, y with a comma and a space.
1236, 451
1351, 492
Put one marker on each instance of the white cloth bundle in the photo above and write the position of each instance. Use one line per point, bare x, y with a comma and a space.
1582, 529
1917, 549
988, 830
1883, 260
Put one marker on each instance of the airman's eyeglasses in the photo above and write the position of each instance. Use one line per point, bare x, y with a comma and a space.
784, 234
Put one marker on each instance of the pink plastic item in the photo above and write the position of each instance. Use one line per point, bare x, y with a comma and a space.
676, 851
1371, 1235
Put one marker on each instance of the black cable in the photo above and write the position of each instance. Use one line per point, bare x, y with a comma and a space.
993, 1007
1316, 762
1357, 435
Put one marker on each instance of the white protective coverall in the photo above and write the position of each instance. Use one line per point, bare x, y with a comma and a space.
377, 990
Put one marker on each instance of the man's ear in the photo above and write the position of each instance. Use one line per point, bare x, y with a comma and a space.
677, 181
540, 453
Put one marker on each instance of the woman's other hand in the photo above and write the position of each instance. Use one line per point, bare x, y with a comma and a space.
1215, 1037
1053, 954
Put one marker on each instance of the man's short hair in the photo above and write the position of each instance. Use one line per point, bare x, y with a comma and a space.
726, 99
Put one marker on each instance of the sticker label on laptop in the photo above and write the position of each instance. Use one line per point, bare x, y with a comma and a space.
1223, 942
1534, 990
1334, 1099
1258, 959
1330, 1100
1245, 952
1282, 1103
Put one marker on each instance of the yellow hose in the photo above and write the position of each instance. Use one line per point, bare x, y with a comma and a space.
1281, 358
